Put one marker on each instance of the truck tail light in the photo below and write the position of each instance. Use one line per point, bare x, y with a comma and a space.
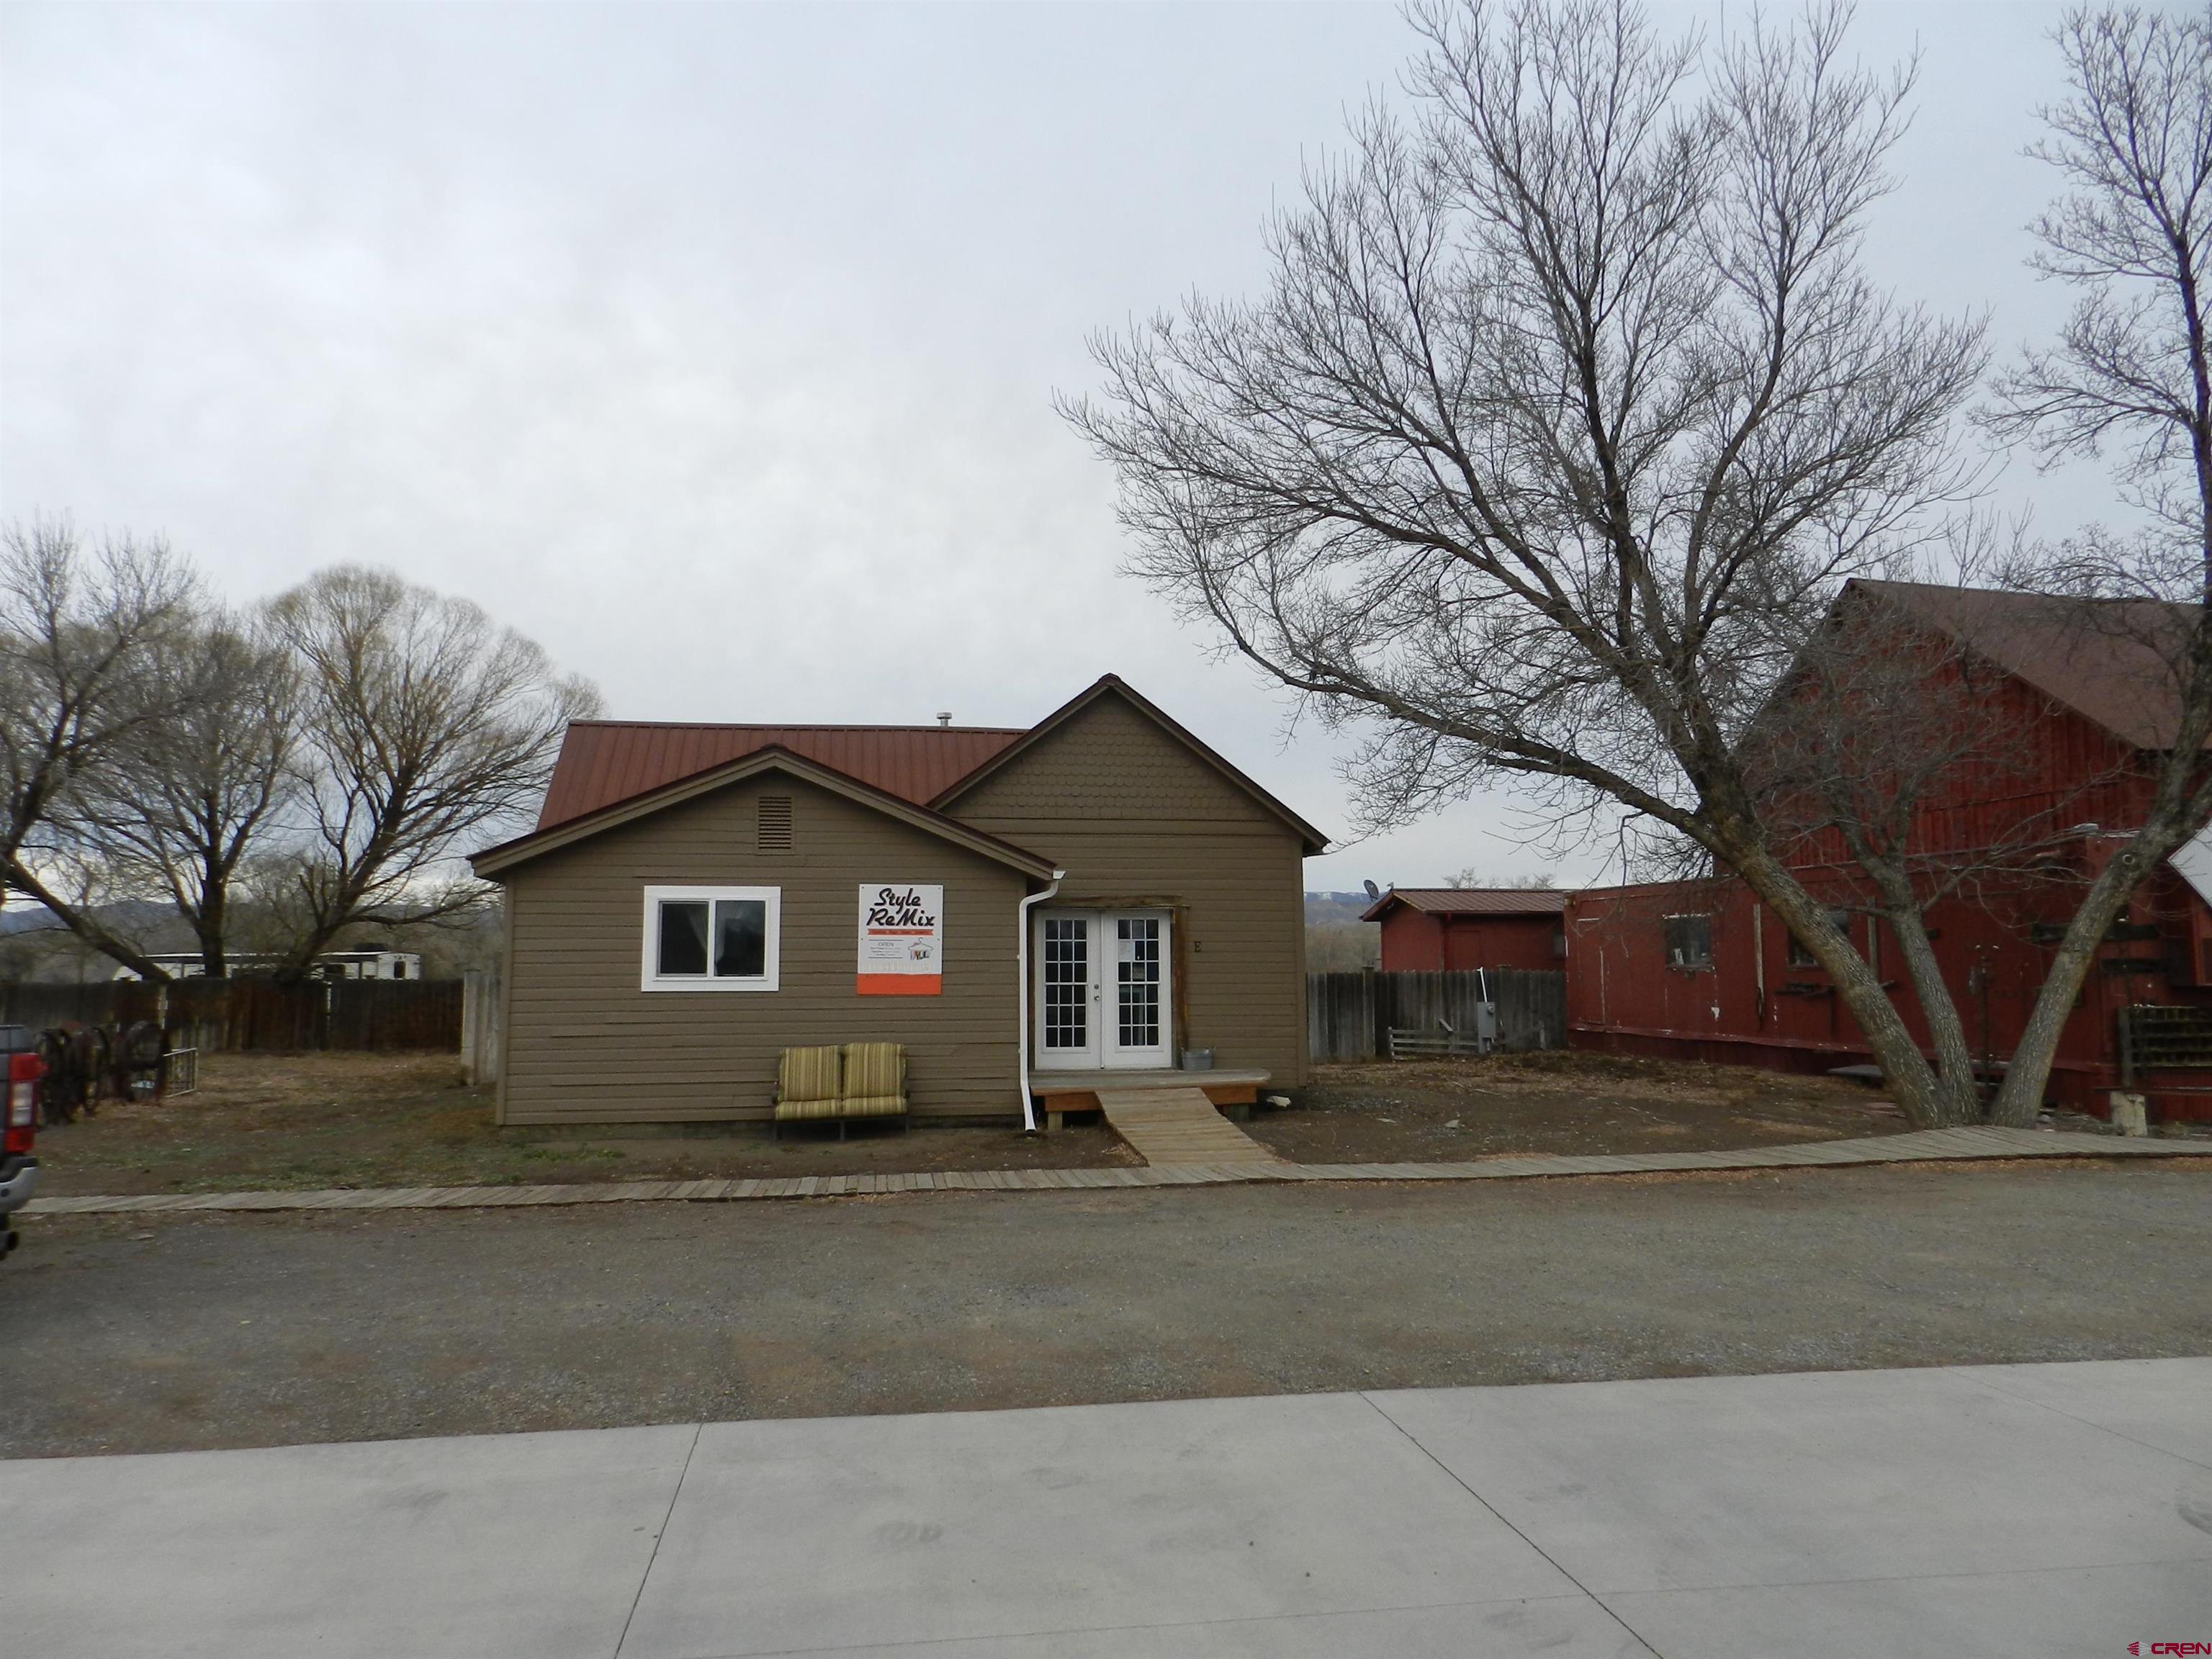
24, 1071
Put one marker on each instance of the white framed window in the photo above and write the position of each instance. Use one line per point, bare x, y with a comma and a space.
712, 938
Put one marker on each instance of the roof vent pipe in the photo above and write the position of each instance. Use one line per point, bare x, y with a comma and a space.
945, 717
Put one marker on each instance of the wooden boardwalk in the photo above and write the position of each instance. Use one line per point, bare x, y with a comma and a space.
1929, 1146
1177, 1127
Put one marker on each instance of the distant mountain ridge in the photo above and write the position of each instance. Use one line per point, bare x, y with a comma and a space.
1334, 906
125, 916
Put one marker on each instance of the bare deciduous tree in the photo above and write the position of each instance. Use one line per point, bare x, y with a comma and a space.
81, 632
2131, 373
422, 721
1876, 755
1567, 413
1343, 947
1475, 876
193, 795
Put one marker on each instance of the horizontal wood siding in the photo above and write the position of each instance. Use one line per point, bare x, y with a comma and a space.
1134, 817
586, 1044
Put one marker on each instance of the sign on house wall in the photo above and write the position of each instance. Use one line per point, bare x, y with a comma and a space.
901, 939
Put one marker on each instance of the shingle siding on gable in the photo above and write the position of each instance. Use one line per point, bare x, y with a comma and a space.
1110, 760
1134, 815
585, 1045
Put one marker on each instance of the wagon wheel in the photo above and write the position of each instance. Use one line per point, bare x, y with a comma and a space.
55, 1104
91, 1055
138, 1054
115, 1059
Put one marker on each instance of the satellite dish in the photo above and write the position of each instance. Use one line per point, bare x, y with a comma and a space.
1373, 891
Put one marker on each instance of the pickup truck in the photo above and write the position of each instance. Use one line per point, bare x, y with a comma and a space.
20, 1068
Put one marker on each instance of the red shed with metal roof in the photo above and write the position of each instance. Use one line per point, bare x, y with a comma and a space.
1429, 929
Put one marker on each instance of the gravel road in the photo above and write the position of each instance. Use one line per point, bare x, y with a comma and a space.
157, 1333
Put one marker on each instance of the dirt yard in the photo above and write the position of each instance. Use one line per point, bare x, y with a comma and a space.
360, 1119
356, 1119
1439, 1110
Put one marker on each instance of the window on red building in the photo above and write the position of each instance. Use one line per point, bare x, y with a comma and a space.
1802, 957
1689, 941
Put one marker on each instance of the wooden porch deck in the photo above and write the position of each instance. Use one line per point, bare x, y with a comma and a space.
1232, 1086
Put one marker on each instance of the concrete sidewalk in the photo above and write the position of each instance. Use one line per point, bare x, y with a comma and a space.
2045, 1509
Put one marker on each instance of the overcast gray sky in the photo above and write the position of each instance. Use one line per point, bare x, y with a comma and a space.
713, 347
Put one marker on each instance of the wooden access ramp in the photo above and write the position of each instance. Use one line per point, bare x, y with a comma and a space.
1178, 1126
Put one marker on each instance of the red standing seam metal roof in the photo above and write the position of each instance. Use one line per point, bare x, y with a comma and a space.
603, 762
1471, 901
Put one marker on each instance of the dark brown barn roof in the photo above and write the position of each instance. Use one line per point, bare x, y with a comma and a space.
1470, 902
603, 762
2107, 660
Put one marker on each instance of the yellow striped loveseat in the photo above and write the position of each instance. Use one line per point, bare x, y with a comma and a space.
826, 1083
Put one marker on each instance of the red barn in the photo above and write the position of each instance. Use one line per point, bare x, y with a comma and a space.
1701, 969
1425, 929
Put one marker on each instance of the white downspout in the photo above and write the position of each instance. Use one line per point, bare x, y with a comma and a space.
1021, 992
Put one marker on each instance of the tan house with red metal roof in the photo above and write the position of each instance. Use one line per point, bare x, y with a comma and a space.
1022, 910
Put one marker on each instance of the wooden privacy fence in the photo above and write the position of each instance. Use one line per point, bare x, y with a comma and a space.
233, 1014
1350, 1016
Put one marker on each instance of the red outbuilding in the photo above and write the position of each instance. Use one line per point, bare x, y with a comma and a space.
1425, 929
2083, 701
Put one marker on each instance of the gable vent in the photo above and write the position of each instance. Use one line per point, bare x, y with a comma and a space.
775, 824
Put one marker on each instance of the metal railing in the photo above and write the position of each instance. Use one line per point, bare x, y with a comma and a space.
180, 1070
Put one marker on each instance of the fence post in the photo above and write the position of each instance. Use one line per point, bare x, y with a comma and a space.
471, 978
480, 1031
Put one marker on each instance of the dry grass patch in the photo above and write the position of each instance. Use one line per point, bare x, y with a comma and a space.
359, 1120
1568, 1103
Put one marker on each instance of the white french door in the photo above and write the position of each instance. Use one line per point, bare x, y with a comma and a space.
1102, 996
1139, 1026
